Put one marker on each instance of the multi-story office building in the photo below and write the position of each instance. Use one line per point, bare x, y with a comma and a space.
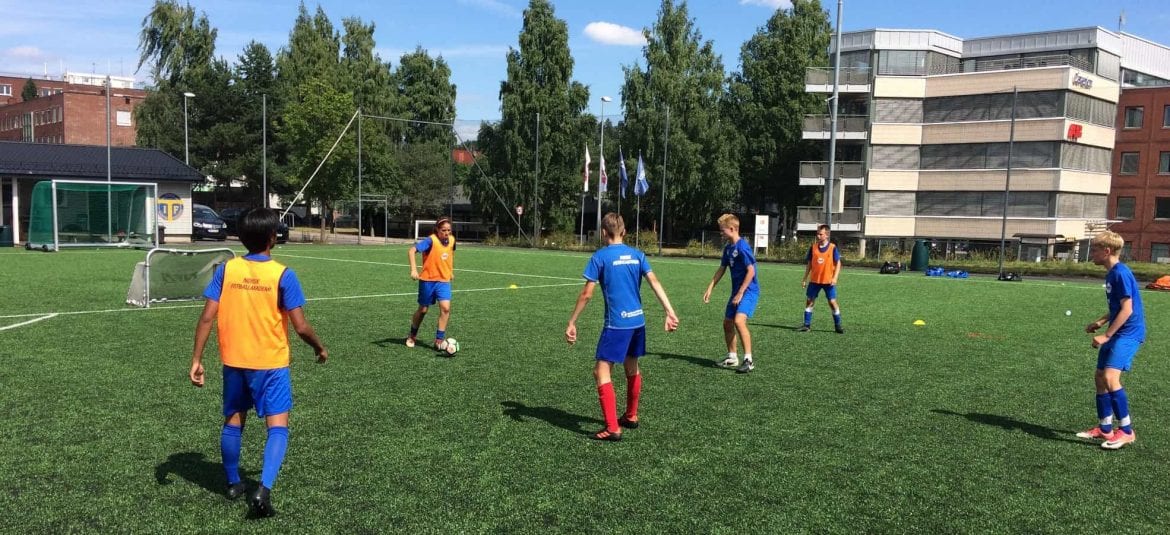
71, 110
926, 129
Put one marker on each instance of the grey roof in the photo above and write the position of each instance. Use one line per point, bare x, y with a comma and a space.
48, 160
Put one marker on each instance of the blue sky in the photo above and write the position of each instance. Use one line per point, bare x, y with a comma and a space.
474, 35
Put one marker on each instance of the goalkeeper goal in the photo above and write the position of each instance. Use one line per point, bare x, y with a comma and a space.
174, 275
70, 213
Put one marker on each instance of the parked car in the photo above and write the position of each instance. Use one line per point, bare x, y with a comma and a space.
231, 216
206, 224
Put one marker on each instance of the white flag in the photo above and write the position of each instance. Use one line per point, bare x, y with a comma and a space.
587, 162
602, 178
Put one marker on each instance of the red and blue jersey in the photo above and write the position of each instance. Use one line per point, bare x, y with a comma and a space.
618, 269
1120, 284
737, 257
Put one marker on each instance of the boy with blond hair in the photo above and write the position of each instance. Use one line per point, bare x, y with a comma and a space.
824, 266
745, 293
1118, 345
619, 270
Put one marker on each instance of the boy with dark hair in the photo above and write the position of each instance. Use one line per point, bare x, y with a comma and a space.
824, 266
251, 301
745, 293
619, 269
1118, 346
434, 283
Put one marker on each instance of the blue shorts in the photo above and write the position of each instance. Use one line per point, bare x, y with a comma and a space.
747, 306
431, 292
814, 289
1117, 353
617, 344
270, 391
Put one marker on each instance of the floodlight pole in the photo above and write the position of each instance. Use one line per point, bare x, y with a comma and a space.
1007, 184
359, 177
109, 171
536, 190
264, 149
662, 201
601, 166
833, 123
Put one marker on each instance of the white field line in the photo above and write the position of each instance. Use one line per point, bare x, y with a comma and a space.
47, 315
22, 324
579, 279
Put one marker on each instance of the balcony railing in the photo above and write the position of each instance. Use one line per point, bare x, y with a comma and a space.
849, 76
843, 170
816, 214
1003, 64
845, 123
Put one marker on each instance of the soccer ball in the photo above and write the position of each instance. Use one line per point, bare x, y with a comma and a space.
450, 345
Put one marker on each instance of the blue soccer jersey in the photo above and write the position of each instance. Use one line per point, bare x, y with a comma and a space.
738, 256
619, 269
1120, 284
290, 295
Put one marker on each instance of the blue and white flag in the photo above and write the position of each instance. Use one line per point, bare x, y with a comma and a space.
625, 179
641, 186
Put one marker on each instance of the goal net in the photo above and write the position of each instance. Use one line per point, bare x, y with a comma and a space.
64, 213
463, 230
174, 275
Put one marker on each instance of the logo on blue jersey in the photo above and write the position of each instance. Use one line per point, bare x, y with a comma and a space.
631, 313
1108, 288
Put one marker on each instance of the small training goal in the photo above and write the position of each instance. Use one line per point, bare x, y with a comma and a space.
174, 275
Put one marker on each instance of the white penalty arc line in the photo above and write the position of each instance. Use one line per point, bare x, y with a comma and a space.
46, 315
579, 279
22, 324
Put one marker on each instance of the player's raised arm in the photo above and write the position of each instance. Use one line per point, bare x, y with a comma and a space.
671, 319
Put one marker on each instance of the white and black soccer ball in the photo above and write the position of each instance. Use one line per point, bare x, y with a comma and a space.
449, 346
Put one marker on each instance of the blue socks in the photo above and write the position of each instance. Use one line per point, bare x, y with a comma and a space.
440, 335
229, 445
1121, 410
274, 450
837, 318
1105, 412
808, 316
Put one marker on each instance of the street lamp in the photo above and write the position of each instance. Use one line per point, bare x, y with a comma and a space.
601, 165
186, 146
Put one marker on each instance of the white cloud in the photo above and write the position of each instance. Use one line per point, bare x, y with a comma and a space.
772, 4
24, 53
495, 6
608, 33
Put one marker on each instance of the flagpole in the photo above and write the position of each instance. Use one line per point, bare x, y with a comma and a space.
601, 166
662, 202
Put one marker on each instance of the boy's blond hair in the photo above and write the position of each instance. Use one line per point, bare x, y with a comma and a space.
1110, 239
729, 221
613, 224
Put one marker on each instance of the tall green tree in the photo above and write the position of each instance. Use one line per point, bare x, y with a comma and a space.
29, 92
255, 83
369, 80
425, 93
312, 52
539, 80
174, 40
310, 126
768, 102
684, 75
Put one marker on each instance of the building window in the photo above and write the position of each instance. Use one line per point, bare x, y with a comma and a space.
1160, 252
1124, 207
1166, 117
1164, 163
1129, 163
1133, 117
123, 118
5, 90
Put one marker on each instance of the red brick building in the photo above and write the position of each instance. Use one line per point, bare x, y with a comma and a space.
1140, 194
70, 111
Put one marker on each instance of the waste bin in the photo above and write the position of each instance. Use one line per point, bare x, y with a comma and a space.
162, 234
920, 257
6, 236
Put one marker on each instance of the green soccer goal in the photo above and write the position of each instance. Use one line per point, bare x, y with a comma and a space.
66, 213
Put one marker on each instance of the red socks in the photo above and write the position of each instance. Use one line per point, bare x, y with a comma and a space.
608, 407
633, 393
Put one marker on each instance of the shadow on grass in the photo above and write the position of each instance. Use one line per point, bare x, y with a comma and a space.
781, 327
196, 468
390, 342
697, 361
1009, 424
552, 415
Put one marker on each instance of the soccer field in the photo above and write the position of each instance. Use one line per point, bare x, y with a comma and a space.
964, 424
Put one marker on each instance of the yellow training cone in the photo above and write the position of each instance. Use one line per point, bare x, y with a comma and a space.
512, 286
919, 322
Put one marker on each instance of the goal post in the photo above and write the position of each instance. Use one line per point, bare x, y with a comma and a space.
174, 275
74, 213
463, 230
